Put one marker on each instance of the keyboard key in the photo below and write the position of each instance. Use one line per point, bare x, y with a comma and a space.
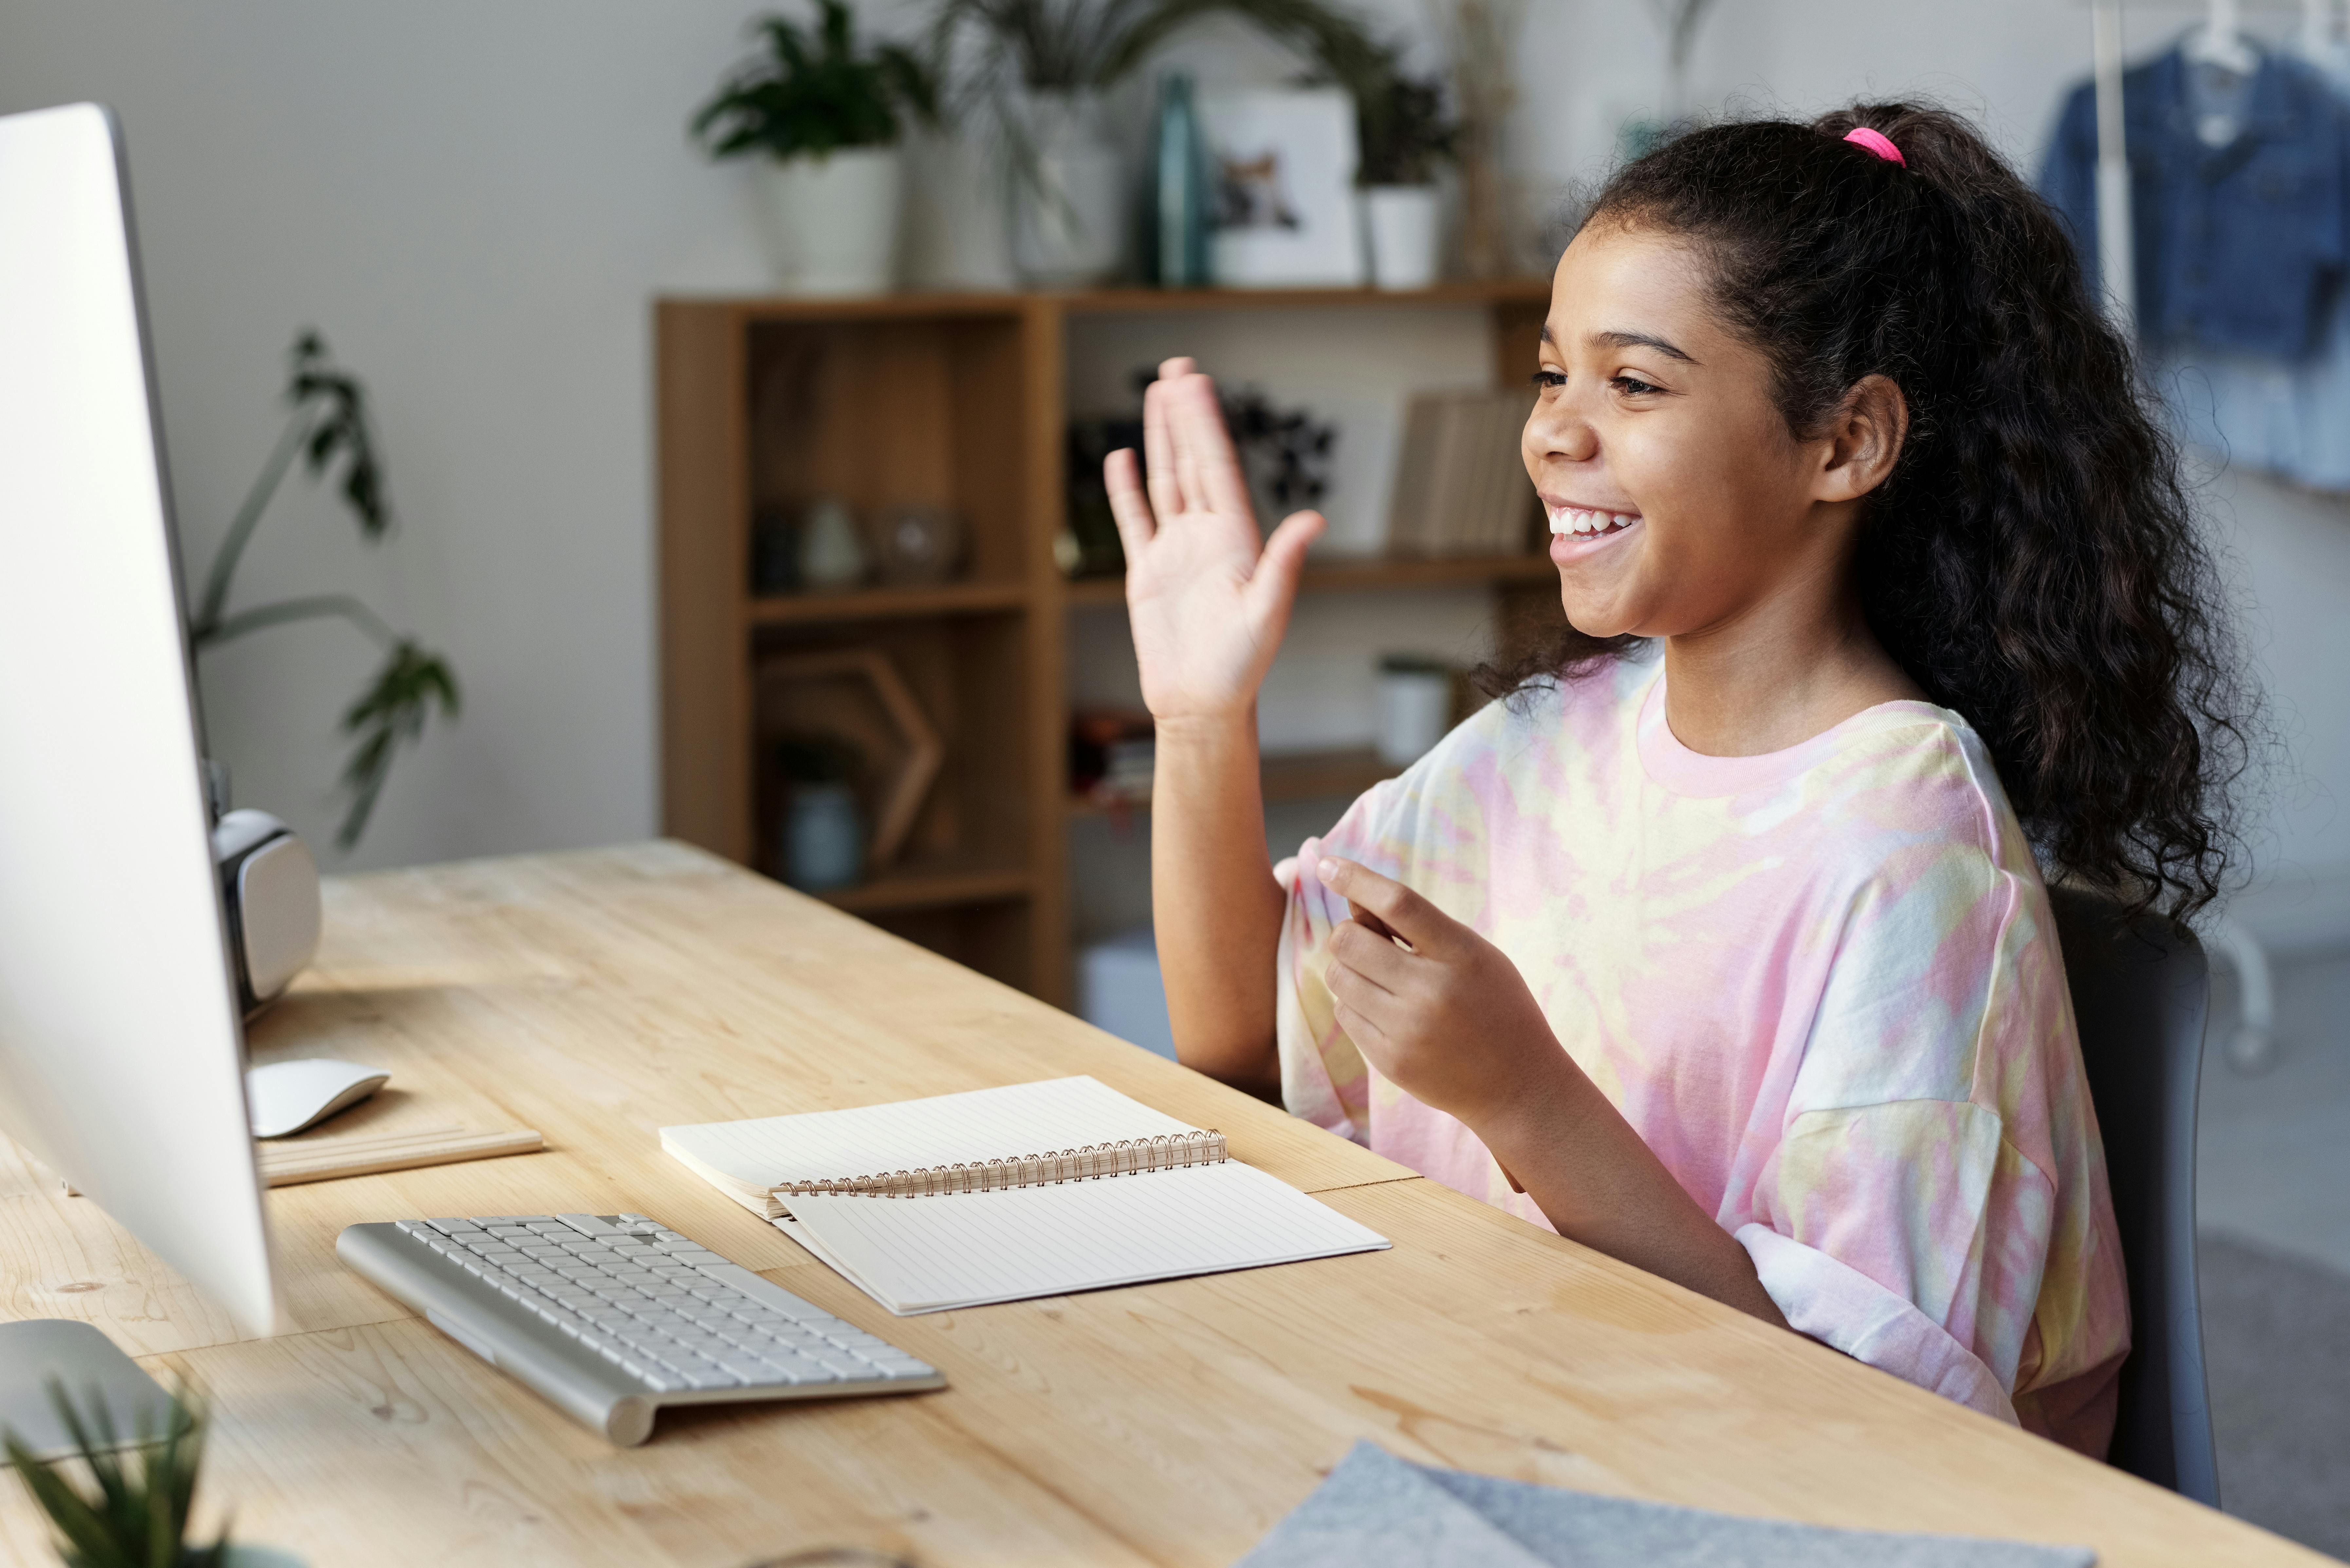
593, 1224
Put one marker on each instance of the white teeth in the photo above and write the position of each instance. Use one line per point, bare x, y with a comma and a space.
1581, 520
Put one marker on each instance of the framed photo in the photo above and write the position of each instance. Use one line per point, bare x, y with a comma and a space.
1281, 165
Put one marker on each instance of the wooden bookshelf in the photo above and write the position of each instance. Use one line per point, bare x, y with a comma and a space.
956, 400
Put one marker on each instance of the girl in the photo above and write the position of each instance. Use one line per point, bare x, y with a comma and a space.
1721, 945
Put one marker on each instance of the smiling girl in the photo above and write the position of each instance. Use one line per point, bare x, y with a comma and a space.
1721, 945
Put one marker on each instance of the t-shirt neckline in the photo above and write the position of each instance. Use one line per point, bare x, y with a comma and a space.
1675, 767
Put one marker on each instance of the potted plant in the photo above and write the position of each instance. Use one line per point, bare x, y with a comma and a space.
327, 424
824, 117
1406, 135
1035, 71
133, 1510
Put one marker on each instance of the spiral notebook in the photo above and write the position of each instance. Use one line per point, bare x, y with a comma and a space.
998, 1195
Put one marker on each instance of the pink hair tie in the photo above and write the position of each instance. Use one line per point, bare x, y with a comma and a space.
1876, 142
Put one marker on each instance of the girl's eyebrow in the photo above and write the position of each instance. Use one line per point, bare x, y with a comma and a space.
1638, 340
1625, 340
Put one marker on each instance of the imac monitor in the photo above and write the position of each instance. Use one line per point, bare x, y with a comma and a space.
121, 1047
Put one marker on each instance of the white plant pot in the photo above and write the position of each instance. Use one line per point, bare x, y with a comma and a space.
958, 228
1415, 709
831, 223
1404, 233
1068, 224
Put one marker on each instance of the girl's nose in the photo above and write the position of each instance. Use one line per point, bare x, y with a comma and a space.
1557, 433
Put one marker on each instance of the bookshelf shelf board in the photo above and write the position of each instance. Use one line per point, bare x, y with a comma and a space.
923, 305
919, 889
887, 604
1339, 576
1168, 301
1287, 776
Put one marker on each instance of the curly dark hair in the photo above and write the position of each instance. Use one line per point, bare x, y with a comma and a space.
2032, 561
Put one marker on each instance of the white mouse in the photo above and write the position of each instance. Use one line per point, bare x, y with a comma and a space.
287, 1097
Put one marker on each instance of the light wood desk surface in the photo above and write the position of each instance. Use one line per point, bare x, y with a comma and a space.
601, 995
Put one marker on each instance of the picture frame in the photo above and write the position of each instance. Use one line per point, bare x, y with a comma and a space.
1282, 171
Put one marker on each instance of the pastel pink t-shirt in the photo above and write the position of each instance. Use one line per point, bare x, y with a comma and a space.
1823, 986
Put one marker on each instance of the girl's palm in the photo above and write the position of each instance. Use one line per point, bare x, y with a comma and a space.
1208, 604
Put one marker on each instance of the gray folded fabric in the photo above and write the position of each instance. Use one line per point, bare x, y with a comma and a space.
1379, 1511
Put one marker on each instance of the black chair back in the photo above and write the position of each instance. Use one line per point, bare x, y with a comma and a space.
2140, 991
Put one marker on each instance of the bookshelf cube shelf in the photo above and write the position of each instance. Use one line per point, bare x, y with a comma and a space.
955, 400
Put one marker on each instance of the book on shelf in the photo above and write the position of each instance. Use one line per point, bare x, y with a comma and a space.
1461, 486
1003, 1194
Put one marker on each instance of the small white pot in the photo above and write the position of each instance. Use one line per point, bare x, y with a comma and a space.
1069, 224
831, 223
1415, 709
1404, 232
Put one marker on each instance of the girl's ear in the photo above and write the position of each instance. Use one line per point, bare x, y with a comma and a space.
1864, 439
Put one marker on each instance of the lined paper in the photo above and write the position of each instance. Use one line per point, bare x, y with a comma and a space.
945, 1129
927, 1254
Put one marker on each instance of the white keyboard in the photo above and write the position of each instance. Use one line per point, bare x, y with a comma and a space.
610, 1316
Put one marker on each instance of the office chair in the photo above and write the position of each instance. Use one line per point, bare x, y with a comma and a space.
2140, 991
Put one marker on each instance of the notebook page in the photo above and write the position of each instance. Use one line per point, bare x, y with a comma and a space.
925, 1255
945, 1129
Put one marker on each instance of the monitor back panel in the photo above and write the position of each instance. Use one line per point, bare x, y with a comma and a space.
121, 1051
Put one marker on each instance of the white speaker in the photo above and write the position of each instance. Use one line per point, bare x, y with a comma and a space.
269, 889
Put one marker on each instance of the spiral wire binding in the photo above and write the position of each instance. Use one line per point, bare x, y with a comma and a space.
1095, 1161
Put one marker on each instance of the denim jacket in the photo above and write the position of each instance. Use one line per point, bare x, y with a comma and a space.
2239, 246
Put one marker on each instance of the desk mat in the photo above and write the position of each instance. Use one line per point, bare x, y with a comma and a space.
1377, 1511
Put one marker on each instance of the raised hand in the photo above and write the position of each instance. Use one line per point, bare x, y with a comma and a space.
1208, 604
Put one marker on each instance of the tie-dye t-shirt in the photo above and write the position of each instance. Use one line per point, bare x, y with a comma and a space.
1822, 985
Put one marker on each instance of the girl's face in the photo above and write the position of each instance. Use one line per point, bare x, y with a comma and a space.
1679, 501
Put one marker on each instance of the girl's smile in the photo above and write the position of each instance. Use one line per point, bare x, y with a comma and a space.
1581, 532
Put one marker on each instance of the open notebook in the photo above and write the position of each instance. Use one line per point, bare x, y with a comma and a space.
997, 1195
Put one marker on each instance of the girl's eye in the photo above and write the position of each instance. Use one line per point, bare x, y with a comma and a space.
1632, 386
1548, 380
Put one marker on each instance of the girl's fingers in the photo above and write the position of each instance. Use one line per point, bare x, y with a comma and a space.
1397, 907
1210, 468
1183, 431
1159, 455
1272, 587
1362, 948
1360, 1029
1126, 502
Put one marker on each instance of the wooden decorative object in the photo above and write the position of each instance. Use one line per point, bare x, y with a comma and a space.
856, 695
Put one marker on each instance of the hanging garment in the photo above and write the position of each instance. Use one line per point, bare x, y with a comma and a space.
2257, 404
2239, 245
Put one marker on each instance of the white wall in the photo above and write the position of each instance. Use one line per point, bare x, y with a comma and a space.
476, 204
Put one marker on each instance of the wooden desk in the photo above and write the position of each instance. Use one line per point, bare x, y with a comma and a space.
598, 996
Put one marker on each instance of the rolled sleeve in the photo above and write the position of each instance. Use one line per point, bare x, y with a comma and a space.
1844, 1308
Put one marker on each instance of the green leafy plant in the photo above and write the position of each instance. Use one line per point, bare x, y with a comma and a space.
1403, 129
988, 49
132, 1509
1072, 44
329, 425
814, 94
988, 52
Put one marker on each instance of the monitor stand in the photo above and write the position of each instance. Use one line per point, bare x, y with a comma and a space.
38, 1351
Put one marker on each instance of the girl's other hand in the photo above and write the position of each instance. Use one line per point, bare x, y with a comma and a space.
1447, 1017
1208, 604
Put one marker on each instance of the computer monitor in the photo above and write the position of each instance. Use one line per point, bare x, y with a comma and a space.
122, 1048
